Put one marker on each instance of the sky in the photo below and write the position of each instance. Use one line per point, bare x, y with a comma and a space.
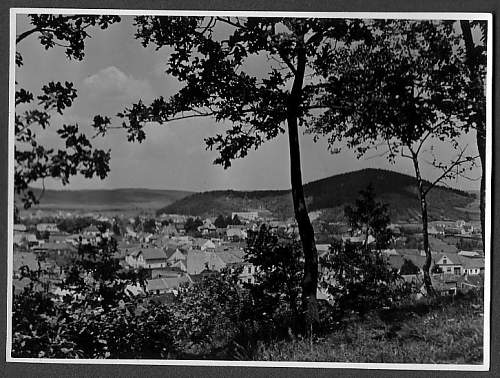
117, 71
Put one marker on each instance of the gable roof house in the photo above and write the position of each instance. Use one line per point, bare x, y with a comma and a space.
207, 227
197, 261
450, 263
148, 258
209, 245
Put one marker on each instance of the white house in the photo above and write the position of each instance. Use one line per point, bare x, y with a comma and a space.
450, 263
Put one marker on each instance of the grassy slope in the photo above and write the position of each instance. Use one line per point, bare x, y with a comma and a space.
447, 331
332, 194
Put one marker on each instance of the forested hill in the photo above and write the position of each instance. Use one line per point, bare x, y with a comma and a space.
331, 194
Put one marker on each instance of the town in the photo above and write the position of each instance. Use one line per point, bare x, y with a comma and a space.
175, 250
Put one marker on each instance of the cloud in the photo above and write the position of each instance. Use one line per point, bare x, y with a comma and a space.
112, 82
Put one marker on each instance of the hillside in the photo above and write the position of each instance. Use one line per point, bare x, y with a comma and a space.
331, 194
112, 199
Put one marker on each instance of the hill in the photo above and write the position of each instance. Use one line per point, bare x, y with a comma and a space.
330, 195
107, 200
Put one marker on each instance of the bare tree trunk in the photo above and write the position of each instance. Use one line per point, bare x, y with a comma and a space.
480, 119
425, 227
306, 231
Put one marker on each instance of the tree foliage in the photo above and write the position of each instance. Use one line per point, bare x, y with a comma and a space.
357, 276
279, 269
406, 93
213, 57
370, 217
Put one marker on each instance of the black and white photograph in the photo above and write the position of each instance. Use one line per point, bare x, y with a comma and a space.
250, 188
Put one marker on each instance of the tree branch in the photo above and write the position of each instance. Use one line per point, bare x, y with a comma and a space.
446, 171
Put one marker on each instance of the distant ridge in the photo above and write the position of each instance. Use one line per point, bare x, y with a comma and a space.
106, 199
331, 194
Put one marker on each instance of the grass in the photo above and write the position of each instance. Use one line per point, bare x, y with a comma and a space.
441, 331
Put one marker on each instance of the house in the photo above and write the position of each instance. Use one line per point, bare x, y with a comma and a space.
166, 285
147, 258
166, 272
449, 263
209, 245
199, 277
174, 255
91, 231
207, 227
472, 265
60, 237
247, 274
18, 227
235, 233
60, 249
170, 230
444, 284
176, 258
47, 227
24, 239
197, 261
197, 243
360, 239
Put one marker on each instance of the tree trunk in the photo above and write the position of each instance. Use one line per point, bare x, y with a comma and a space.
425, 227
306, 231
480, 119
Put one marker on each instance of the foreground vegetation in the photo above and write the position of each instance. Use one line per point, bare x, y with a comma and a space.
442, 330
371, 314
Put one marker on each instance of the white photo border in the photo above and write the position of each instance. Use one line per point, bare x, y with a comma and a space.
293, 364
